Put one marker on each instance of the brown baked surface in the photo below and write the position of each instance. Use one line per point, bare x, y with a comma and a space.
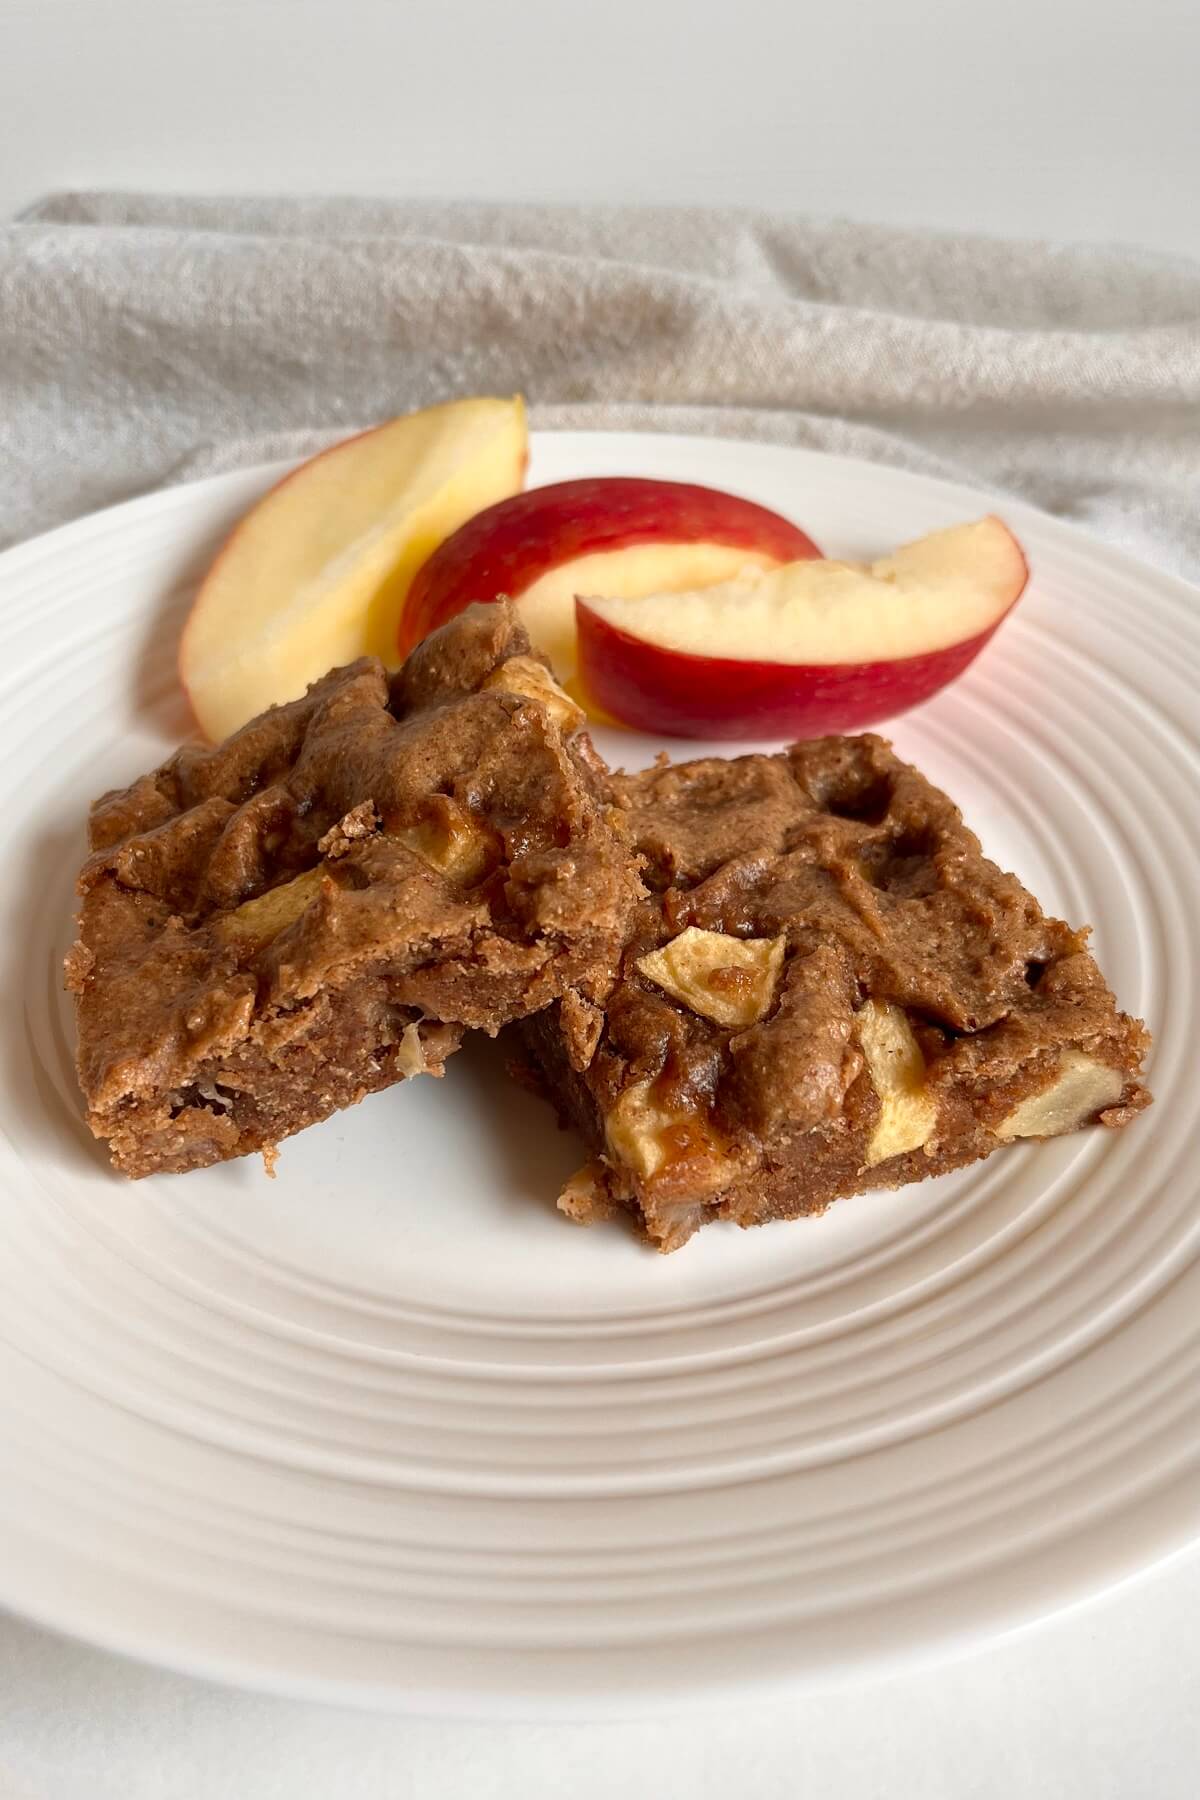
896, 1005
271, 929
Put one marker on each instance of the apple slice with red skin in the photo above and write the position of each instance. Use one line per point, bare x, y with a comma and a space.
617, 535
804, 650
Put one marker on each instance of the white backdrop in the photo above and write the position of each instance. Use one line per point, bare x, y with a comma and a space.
1054, 118
1060, 118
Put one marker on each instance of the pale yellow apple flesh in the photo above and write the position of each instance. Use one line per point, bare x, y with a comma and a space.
941, 590
1081, 1088
618, 535
547, 607
527, 676
264, 917
907, 1111
649, 1136
317, 573
729, 980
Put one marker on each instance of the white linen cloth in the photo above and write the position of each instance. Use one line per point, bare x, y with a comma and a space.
149, 340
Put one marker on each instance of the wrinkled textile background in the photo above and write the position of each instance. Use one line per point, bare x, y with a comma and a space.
151, 340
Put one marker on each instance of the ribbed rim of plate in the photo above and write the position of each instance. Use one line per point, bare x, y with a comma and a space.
1021, 1285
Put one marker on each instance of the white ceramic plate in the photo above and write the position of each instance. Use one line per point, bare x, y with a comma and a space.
388, 1429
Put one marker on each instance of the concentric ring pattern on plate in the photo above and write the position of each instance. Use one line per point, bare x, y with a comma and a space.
387, 1428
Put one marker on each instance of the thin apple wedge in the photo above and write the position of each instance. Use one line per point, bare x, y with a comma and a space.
318, 572
615, 535
806, 649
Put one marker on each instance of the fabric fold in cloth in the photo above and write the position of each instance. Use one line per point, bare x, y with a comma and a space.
148, 340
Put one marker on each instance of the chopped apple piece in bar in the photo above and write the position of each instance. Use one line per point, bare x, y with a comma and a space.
675, 1149
638, 1129
907, 1110
730, 980
410, 1053
527, 676
452, 841
1081, 1090
264, 917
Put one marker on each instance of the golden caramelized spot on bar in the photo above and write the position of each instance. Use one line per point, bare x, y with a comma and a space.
263, 918
526, 676
1081, 1088
907, 1111
729, 980
653, 1138
636, 1129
